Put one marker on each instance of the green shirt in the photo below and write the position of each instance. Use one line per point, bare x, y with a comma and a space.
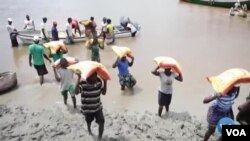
95, 50
37, 51
95, 53
57, 56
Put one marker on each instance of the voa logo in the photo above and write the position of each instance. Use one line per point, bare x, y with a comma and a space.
236, 132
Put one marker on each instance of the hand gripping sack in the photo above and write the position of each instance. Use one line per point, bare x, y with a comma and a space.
122, 51
225, 81
70, 60
168, 62
87, 68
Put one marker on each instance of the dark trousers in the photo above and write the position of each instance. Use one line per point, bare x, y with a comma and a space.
13, 39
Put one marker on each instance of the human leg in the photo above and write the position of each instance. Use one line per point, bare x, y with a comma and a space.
65, 96
168, 101
100, 120
89, 118
210, 131
160, 103
122, 81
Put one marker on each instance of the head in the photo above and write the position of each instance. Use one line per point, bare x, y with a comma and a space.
167, 71
28, 17
104, 19
44, 19
95, 41
93, 78
69, 20
124, 58
64, 63
92, 18
36, 39
9, 21
233, 90
108, 21
54, 23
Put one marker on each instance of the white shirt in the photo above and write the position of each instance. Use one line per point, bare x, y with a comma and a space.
69, 29
43, 26
166, 83
29, 24
66, 76
10, 28
132, 27
104, 27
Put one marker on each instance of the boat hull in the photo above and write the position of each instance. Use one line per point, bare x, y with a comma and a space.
27, 36
219, 3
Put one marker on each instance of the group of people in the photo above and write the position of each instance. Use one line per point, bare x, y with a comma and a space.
94, 86
72, 28
90, 89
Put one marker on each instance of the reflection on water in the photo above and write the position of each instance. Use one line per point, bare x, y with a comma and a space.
205, 41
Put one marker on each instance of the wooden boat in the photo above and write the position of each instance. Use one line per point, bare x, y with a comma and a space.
27, 36
8, 81
219, 3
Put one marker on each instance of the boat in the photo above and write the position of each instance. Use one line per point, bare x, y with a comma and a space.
219, 3
27, 36
8, 81
240, 13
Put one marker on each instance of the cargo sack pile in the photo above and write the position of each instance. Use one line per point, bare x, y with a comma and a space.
168, 62
87, 68
122, 51
225, 81
70, 60
54, 46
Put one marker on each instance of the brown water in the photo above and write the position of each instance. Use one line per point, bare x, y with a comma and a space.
204, 40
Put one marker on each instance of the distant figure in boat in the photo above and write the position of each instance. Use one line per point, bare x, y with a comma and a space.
54, 32
93, 27
76, 26
29, 24
69, 32
238, 10
128, 25
13, 33
44, 32
110, 32
104, 28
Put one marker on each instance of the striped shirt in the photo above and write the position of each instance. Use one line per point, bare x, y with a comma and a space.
90, 97
225, 102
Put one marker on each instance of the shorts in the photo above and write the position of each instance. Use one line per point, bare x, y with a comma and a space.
127, 80
71, 90
164, 99
215, 114
41, 69
98, 116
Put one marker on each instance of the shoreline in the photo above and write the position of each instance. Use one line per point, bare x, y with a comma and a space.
65, 123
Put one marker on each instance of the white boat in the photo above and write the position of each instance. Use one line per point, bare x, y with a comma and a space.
27, 36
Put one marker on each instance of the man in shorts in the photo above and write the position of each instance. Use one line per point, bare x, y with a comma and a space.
36, 54
91, 91
66, 78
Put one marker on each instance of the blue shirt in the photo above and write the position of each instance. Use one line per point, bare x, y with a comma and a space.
225, 102
123, 67
54, 33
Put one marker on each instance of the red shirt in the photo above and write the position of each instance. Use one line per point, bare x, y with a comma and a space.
74, 23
